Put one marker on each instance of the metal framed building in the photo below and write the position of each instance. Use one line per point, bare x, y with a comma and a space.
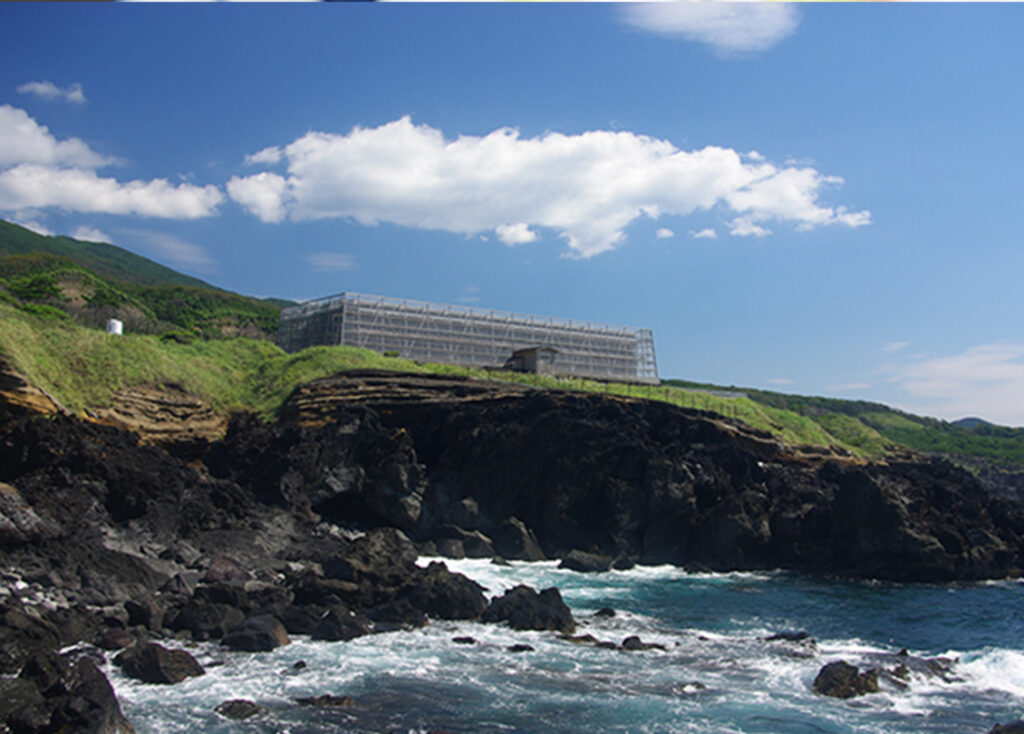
430, 332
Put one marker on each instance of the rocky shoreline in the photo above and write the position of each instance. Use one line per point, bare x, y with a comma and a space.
311, 525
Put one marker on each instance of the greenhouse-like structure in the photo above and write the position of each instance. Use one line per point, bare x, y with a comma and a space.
461, 335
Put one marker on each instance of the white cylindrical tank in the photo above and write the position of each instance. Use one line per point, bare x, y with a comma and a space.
115, 327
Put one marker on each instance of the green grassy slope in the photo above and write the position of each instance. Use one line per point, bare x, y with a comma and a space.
40, 281
874, 427
51, 287
108, 261
83, 368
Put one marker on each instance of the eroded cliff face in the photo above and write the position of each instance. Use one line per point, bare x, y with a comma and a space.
652, 483
102, 532
488, 468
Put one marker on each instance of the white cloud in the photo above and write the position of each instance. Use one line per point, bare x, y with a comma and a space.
171, 249
895, 346
985, 380
38, 171
90, 234
23, 140
50, 91
705, 234
330, 261
727, 27
515, 234
664, 233
263, 195
34, 226
587, 188
74, 189
746, 227
267, 156
781, 381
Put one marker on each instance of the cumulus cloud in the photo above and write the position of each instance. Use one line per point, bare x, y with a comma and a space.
34, 226
727, 27
75, 189
171, 249
664, 233
985, 380
23, 140
50, 91
263, 194
705, 234
90, 234
515, 234
267, 156
38, 171
587, 187
326, 262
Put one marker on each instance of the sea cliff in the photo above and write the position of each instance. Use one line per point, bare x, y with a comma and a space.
311, 524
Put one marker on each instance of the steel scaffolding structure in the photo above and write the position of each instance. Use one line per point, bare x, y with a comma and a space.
430, 332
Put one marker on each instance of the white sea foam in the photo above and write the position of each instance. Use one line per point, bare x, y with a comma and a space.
994, 669
745, 682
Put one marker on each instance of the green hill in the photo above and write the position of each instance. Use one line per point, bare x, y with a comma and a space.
90, 282
56, 293
107, 261
973, 442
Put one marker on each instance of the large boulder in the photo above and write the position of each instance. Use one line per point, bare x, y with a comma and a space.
90, 706
152, 663
441, 594
525, 609
52, 696
842, 680
19, 523
514, 541
23, 634
384, 556
238, 708
1014, 727
205, 620
584, 562
341, 623
257, 634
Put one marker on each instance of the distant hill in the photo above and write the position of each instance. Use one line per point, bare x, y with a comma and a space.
90, 282
971, 441
108, 261
971, 422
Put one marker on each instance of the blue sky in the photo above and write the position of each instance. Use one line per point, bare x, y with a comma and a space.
818, 199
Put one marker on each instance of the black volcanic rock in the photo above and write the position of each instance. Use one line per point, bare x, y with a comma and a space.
516, 542
238, 709
842, 680
205, 620
321, 512
525, 609
586, 562
662, 484
439, 593
257, 634
153, 663
341, 623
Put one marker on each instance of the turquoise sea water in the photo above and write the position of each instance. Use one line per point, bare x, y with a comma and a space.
717, 672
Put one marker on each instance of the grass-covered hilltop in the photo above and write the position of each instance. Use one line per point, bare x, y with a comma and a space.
56, 294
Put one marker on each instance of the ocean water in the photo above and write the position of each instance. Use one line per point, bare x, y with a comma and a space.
717, 672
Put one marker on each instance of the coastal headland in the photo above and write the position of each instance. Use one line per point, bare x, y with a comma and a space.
141, 525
